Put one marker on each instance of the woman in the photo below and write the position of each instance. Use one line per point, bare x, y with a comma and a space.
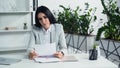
46, 30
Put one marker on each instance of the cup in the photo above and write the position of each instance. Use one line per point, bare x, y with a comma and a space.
93, 54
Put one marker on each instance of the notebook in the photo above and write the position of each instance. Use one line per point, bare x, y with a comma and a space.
8, 61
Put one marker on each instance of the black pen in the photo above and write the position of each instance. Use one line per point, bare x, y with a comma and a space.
47, 56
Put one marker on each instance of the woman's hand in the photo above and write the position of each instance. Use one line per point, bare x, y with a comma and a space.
59, 54
33, 55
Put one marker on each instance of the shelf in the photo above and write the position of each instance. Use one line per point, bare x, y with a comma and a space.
15, 12
12, 49
15, 5
13, 15
1, 31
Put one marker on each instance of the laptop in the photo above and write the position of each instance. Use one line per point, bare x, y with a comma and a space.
8, 61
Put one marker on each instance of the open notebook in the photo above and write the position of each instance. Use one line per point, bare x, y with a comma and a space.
8, 61
47, 59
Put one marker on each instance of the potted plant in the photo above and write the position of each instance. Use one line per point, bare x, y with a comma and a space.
93, 53
111, 28
85, 20
111, 31
77, 23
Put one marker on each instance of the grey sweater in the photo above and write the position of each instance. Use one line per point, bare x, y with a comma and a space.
57, 37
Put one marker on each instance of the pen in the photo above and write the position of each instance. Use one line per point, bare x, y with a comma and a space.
47, 56
34, 50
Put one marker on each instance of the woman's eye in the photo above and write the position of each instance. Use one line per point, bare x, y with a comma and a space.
45, 17
39, 18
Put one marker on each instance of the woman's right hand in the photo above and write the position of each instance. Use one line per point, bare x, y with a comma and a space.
33, 55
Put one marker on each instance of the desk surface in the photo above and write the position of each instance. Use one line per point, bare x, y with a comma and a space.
83, 62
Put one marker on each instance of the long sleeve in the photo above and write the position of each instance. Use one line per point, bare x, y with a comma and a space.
61, 39
31, 43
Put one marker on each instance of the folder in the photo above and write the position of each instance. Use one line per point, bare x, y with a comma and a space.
69, 59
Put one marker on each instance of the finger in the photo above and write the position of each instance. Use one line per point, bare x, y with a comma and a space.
33, 55
58, 55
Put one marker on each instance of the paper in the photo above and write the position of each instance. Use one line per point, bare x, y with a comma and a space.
46, 52
46, 49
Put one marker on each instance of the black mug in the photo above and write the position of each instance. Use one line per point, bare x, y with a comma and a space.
93, 54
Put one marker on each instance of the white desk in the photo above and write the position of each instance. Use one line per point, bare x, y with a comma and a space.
82, 63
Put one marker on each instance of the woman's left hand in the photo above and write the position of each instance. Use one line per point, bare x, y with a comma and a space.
59, 54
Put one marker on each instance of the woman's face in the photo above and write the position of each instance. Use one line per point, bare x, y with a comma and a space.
44, 21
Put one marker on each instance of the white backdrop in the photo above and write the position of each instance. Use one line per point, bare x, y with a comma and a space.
118, 3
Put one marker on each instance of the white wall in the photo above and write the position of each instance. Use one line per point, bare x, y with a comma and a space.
118, 3
54, 5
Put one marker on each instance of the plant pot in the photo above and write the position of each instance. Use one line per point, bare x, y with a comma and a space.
79, 42
93, 54
110, 49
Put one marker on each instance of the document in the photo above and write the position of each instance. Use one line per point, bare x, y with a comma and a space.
45, 52
45, 49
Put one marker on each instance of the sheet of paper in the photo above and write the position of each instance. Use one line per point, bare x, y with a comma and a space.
46, 49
